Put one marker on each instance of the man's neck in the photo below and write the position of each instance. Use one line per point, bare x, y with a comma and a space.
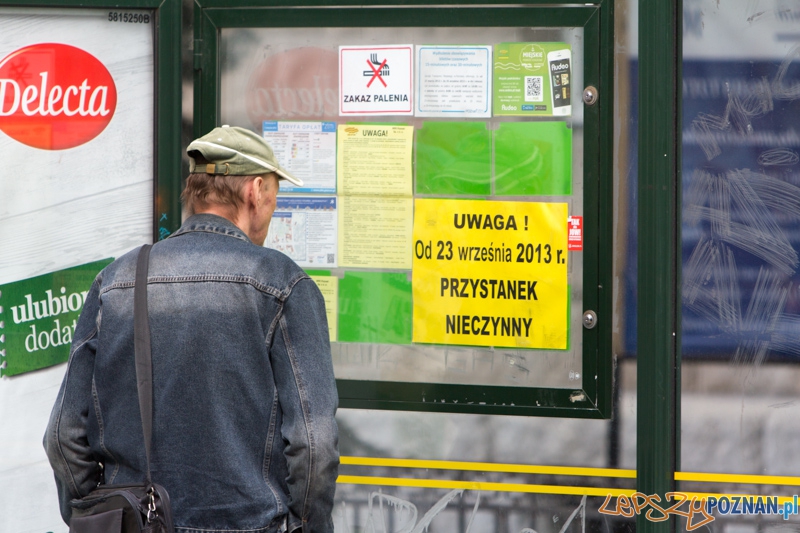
239, 219
220, 211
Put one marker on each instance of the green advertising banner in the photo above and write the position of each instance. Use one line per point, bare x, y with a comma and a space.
532, 79
39, 316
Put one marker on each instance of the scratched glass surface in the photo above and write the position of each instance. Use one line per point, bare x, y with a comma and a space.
409, 510
740, 238
255, 57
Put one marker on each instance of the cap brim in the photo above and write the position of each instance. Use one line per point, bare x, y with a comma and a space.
297, 182
198, 144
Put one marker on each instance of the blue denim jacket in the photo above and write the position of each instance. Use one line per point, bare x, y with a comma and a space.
244, 436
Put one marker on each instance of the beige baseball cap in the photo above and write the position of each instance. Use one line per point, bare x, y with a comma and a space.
235, 151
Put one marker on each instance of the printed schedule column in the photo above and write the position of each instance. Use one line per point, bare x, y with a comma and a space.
490, 273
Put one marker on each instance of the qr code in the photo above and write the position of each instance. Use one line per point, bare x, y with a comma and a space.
330, 259
533, 89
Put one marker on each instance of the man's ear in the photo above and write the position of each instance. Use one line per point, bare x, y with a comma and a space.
254, 191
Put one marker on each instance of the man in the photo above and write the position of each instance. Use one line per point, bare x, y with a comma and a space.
244, 436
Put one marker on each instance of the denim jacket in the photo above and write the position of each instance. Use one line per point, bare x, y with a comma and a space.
244, 436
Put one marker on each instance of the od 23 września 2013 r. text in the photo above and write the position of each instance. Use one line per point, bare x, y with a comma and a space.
490, 273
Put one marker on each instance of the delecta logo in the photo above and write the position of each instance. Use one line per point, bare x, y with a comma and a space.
39, 316
54, 96
697, 511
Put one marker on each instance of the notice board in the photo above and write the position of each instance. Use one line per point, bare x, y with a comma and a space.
446, 219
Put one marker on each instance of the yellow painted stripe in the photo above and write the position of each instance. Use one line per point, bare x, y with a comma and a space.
480, 485
524, 487
490, 467
737, 478
564, 470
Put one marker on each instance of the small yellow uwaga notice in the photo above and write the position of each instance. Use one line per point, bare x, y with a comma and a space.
490, 273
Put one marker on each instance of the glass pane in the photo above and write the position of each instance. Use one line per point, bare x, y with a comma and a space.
292, 74
741, 193
430, 457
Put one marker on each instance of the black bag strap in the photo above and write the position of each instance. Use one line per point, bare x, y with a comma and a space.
141, 346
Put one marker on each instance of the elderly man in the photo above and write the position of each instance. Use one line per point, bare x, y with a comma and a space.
244, 436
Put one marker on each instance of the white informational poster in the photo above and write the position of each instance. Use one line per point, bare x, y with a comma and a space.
305, 228
453, 81
307, 150
76, 137
376, 80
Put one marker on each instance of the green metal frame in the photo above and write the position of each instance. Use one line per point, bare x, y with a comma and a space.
597, 20
658, 314
167, 140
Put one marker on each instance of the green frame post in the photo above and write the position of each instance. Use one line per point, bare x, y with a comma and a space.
167, 108
658, 351
593, 400
168, 118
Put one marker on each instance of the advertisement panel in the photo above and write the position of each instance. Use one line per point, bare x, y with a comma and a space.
76, 134
533, 79
740, 246
77, 139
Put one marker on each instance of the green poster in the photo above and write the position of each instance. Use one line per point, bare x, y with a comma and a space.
39, 316
453, 158
533, 158
532, 79
375, 307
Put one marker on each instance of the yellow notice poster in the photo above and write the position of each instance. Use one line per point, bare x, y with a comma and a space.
374, 160
375, 187
329, 287
375, 231
490, 273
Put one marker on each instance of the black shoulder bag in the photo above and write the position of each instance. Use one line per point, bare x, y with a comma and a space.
142, 508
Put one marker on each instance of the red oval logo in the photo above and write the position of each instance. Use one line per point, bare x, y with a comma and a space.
54, 96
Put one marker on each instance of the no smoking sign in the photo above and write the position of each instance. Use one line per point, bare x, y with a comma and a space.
376, 80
